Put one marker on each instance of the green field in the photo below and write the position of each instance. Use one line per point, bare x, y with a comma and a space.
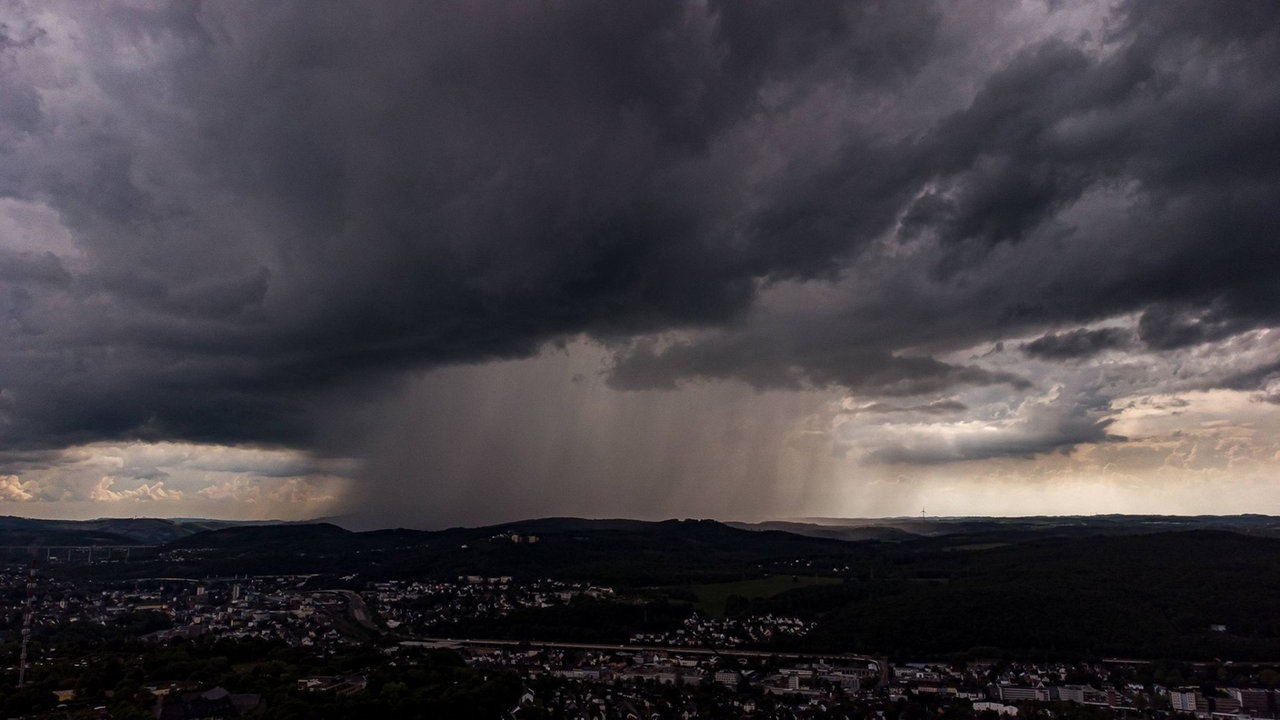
712, 596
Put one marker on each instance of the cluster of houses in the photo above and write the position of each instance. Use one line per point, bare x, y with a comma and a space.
749, 683
672, 668
431, 608
280, 608
700, 631
286, 608
1021, 683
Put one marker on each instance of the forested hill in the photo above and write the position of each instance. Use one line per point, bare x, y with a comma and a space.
1201, 593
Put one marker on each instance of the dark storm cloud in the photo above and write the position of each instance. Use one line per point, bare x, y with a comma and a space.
769, 363
1166, 327
274, 208
280, 201
1076, 344
1004, 172
1263, 376
1010, 198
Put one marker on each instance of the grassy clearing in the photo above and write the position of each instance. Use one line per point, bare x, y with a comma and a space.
712, 596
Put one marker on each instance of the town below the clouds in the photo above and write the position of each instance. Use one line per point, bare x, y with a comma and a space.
1072, 617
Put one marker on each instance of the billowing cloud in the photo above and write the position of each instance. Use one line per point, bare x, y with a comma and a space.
190, 479
103, 492
1056, 422
12, 489
233, 227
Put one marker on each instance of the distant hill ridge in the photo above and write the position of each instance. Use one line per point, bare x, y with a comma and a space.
195, 532
20, 531
905, 528
324, 535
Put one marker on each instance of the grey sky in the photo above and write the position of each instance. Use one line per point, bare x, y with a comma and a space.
445, 263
